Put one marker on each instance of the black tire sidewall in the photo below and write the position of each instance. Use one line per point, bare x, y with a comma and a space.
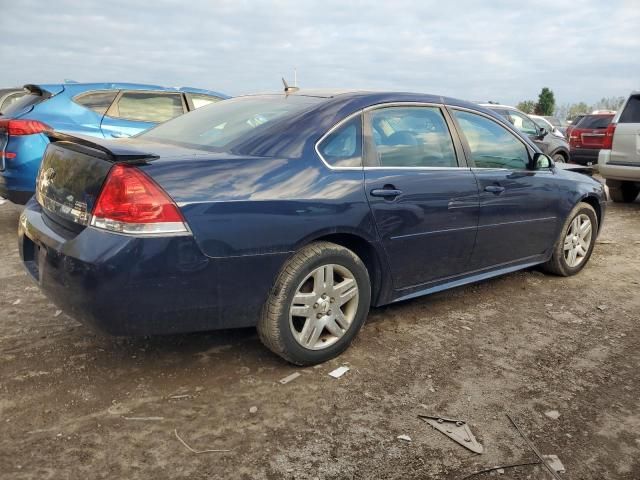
580, 209
296, 352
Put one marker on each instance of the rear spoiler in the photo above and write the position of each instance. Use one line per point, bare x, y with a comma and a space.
36, 90
113, 151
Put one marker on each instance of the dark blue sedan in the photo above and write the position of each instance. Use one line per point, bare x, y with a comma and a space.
295, 213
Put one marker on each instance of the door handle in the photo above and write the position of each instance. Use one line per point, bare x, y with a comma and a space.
497, 189
119, 135
389, 193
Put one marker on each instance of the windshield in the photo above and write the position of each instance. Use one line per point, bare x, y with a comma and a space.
216, 126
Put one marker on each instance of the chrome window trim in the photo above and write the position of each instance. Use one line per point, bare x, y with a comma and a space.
378, 106
333, 129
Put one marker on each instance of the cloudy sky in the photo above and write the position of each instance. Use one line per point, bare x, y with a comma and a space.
477, 50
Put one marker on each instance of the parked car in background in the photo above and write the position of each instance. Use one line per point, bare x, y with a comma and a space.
573, 124
619, 158
107, 110
9, 96
296, 212
546, 123
554, 146
588, 137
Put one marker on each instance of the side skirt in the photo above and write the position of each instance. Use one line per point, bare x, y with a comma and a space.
420, 290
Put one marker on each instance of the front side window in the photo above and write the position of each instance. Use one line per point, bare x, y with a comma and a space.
412, 137
491, 145
147, 107
343, 147
522, 123
99, 102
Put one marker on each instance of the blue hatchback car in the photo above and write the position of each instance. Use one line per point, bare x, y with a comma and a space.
295, 213
105, 110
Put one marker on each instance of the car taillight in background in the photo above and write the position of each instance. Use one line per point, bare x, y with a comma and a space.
23, 127
131, 202
607, 142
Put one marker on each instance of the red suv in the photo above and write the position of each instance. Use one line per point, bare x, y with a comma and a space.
588, 137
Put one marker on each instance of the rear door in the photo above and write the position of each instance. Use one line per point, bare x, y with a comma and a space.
626, 139
422, 195
135, 111
517, 205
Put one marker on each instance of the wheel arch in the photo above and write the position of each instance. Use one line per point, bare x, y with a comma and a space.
595, 203
368, 252
562, 151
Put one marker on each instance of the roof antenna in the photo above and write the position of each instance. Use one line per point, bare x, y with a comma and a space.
287, 88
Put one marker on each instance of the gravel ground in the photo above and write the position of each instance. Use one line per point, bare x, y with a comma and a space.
75, 404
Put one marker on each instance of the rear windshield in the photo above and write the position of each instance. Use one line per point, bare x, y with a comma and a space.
631, 112
595, 121
215, 127
22, 103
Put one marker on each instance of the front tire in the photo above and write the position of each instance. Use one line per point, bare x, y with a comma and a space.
317, 305
575, 245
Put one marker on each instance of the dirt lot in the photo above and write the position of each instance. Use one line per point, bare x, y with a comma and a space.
74, 404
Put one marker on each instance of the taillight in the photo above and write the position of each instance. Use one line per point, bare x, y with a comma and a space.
607, 142
130, 202
23, 127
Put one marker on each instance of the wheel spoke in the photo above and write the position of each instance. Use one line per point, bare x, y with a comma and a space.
306, 299
585, 230
568, 245
323, 278
314, 334
345, 290
334, 328
341, 320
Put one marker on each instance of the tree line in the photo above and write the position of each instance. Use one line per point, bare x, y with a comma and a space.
546, 105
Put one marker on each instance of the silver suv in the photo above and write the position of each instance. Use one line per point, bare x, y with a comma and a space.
619, 160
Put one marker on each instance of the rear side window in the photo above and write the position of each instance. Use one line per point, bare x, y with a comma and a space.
522, 123
343, 147
147, 107
199, 100
491, 145
595, 121
99, 102
631, 112
412, 137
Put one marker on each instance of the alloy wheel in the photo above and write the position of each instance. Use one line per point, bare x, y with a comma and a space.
577, 240
324, 306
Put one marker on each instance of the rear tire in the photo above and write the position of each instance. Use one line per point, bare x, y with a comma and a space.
622, 192
575, 244
317, 305
559, 158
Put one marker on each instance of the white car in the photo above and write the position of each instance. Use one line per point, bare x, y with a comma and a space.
619, 160
543, 122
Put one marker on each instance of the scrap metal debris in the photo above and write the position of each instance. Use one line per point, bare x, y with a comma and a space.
145, 419
456, 430
555, 463
553, 414
534, 449
405, 438
500, 469
290, 378
175, 431
338, 372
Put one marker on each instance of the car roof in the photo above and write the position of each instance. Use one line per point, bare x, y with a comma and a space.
83, 87
498, 105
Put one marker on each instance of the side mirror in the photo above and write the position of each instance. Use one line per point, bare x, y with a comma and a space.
540, 162
542, 132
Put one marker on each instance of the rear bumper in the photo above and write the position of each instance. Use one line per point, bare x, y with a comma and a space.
585, 156
630, 172
126, 285
15, 196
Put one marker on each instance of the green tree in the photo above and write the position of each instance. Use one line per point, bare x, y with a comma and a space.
526, 106
546, 102
577, 109
609, 103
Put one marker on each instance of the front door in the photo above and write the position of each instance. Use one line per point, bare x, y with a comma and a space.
423, 197
518, 205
